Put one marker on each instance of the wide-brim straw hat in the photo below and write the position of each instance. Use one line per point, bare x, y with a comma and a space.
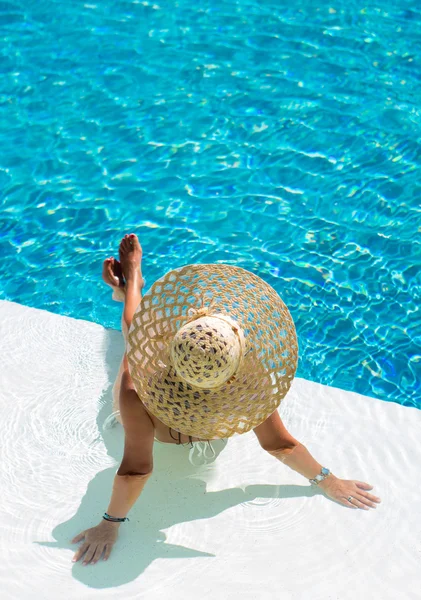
212, 350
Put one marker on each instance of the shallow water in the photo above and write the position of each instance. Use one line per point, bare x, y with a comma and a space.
242, 526
284, 141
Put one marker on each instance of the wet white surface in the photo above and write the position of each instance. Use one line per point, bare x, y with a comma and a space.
244, 526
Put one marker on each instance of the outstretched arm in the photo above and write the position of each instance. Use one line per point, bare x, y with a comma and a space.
279, 443
130, 479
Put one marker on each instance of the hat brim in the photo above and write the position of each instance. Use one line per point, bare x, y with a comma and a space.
269, 364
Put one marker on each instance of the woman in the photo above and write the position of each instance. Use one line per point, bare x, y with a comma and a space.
142, 425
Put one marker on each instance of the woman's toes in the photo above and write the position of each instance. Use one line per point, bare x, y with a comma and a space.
110, 271
118, 272
125, 245
107, 272
134, 242
105, 266
130, 250
122, 246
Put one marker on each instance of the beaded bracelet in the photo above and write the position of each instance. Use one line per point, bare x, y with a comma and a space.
115, 519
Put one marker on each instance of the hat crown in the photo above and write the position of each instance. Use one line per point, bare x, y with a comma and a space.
207, 351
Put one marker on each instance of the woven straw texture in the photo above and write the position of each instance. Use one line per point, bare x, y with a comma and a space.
261, 344
208, 351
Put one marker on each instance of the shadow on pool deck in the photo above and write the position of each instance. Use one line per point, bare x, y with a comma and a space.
176, 493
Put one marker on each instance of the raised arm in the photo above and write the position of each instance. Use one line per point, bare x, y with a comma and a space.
130, 479
279, 443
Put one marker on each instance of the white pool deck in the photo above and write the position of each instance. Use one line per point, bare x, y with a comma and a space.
245, 526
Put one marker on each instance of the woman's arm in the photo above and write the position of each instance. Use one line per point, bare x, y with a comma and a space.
137, 463
279, 443
132, 475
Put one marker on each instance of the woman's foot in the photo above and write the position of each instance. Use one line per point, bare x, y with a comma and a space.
130, 258
112, 273
130, 253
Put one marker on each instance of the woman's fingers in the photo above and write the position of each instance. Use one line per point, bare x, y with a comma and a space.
366, 500
369, 499
78, 538
348, 503
366, 486
81, 552
97, 540
363, 486
107, 552
93, 552
355, 503
89, 554
363, 501
340, 490
359, 501
98, 553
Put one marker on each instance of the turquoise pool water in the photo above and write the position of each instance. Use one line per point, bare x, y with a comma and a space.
283, 140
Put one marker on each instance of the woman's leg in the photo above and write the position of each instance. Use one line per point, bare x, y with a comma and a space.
130, 253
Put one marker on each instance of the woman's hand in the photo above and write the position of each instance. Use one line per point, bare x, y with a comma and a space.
98, 539
341, 489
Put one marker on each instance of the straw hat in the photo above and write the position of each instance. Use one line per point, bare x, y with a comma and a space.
212, 350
